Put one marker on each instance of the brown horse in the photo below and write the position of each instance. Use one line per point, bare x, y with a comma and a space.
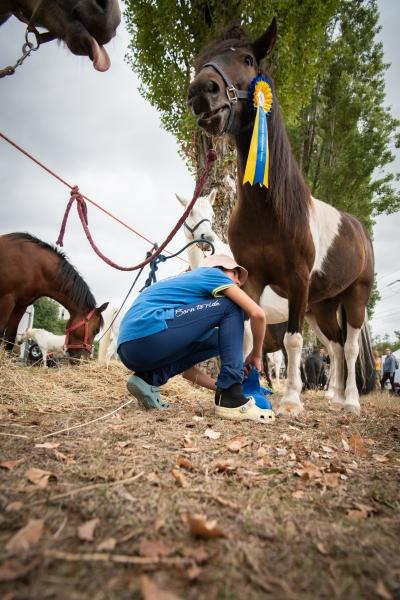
319, 258
84, 25
29, 269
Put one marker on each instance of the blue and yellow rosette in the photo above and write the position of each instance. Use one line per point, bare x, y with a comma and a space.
260, 98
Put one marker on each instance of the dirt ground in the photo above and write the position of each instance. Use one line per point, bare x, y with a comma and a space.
181, 504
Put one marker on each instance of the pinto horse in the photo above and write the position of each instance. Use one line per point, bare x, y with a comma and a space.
29, 269
84, 25
319, 258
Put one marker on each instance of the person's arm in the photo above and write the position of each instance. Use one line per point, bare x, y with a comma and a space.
195, 375
257, 322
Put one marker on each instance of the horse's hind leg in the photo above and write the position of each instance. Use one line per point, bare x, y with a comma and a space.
12, 326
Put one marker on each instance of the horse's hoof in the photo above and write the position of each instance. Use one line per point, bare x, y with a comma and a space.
290, 409
354, 409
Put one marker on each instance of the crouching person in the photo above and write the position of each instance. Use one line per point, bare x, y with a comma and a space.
181, 321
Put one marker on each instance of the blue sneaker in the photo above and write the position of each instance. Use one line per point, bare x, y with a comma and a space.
147, 395
252, 387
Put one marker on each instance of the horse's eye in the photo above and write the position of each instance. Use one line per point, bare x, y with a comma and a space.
248, 60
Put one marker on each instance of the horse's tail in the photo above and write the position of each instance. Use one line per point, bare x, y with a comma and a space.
365, 363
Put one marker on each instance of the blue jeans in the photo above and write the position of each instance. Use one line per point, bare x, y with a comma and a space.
196, 333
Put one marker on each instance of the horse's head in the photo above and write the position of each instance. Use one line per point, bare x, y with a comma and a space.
218, 93
84, 25
81, 330
198, 224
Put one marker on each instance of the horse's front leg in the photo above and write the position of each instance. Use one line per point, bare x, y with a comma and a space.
291, 404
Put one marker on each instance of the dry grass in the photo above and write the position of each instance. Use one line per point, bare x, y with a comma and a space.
304, 515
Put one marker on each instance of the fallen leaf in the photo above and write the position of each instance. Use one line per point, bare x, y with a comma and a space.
187, 442
357, 445
39, 477
17, 505
380, 458
322, 548
197, 418
358, 514
107, 545
285, 437
344, 420
159, 524
199, 526
308, 471
154, 548
237, 443
261, 452
224, 465
26, 537
382, 591
193, 573
86, 530
12, 569
331, 480
151, 591
47, 445
212, 434
327, 449
186, 463
298, 494
180, 478
345, 445
11, 464
124, 444
153, 478
199, 554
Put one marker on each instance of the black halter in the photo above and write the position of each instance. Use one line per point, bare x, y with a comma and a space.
193, 229
232, 93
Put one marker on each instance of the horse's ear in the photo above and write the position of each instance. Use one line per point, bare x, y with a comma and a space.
212, 196
183, 201
264, 44
102, 308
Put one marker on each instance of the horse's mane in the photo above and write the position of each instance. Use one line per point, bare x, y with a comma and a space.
71, 281
288, 194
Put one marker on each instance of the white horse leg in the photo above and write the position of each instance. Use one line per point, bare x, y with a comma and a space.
44, 357
338, 384
351, 350
247, 339
291, 403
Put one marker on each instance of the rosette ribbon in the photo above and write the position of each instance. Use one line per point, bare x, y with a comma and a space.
260, 98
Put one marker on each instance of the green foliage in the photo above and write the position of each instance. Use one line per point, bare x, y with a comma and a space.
380, 343
373, 299
46, 316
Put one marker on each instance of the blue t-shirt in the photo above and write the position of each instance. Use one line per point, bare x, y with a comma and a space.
157, 303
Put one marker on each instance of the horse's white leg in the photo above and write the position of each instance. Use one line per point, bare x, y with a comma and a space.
247, 339
291, 403
338, 384
351, 350
44, 357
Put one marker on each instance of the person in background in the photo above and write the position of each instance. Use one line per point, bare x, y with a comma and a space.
183, 320
389, 367
378, 370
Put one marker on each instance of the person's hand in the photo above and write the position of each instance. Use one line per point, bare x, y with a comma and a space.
255, 360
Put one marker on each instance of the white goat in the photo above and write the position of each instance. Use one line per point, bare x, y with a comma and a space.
47, 342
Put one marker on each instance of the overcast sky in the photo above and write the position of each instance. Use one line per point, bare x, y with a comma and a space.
95, 130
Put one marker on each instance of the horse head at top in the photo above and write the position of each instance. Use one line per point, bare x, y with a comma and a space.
84, 25
224, 72
81, 331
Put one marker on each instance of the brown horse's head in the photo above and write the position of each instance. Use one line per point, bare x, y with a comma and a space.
84, 25
224, 71
81, 331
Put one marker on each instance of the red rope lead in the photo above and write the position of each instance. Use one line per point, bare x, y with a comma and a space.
77, 197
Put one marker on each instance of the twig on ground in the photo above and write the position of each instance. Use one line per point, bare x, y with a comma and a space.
42, 437
117, 558
19, 435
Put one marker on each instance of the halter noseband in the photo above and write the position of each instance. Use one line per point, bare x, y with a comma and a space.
232, 93
85, 344
193, 229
